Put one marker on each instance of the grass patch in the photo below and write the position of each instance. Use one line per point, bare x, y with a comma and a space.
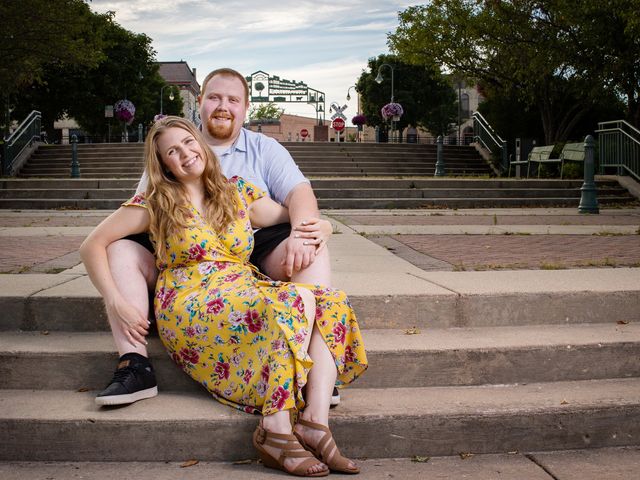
552, 266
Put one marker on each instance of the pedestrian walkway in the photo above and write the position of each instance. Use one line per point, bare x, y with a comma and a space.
475, 343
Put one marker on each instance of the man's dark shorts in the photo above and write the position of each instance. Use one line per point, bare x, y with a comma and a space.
265, 241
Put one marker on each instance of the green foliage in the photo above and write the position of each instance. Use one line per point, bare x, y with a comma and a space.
561, 58
426, 96
34, 33
265, 111
573, 170
126, 69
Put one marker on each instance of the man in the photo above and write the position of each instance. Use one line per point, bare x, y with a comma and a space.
261, 160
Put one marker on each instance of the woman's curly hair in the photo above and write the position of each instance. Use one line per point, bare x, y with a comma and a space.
167, 198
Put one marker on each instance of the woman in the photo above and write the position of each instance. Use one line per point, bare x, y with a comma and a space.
258, 345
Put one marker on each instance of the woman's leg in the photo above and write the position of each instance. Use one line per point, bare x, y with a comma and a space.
280, 422
320, 383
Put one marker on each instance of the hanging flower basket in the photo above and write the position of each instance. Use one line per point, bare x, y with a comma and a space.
359, 120
124, 111
392, 111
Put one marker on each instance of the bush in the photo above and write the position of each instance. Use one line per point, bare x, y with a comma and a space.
573, 170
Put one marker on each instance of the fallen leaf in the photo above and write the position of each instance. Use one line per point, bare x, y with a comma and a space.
83, 389
189, 463
242, 462
44, 332
622, 322
513, 452
420, 459
411, 331
464, 456
564, 402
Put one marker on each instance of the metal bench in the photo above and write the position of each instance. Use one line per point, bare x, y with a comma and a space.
572, 152
542, 155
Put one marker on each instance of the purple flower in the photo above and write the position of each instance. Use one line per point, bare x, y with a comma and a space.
125, 111
391, 110
359, 119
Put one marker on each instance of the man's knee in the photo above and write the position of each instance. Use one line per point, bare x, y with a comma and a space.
126, 256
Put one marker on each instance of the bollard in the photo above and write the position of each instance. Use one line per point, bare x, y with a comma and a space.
439, 158
139, 133
588, 196
75, 166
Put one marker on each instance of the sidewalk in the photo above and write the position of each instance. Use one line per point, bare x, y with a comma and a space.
381, 258
597, 464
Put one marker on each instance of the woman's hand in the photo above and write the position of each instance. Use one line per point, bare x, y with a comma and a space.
134, 325
314, 231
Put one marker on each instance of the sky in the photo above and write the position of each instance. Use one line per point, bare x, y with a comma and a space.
324, 44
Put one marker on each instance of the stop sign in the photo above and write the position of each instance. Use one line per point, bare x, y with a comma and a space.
338, 124
304, 133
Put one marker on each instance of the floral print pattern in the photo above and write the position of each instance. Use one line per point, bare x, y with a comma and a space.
237, 332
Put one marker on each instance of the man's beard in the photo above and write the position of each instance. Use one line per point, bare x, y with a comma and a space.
220, 132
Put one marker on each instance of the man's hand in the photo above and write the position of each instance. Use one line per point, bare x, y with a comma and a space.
298, 255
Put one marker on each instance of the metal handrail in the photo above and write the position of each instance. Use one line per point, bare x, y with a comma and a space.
619, 147
23, 137
482, 131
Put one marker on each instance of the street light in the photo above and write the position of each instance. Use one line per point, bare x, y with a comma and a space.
171, 97
358, 94
379, 78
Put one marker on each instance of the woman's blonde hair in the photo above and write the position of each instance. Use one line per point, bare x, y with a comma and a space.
167, 198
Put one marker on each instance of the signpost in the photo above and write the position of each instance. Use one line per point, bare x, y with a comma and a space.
304, 133
338, 125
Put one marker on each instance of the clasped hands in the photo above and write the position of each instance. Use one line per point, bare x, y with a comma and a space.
307, 240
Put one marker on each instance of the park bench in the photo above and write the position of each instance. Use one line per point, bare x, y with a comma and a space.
572, 152
541, 155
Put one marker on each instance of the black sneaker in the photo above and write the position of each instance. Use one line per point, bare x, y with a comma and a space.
335, 397
133, 380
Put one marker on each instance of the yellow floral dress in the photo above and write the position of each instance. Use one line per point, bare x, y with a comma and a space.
237, 332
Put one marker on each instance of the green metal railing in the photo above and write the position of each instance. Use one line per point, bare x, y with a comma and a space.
489, 139
22, 138
619, 148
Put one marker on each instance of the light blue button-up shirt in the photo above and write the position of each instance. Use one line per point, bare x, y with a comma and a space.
260, 160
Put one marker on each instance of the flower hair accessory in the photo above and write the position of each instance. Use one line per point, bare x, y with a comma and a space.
391, 110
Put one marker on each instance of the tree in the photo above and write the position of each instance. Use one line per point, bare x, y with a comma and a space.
427, 97
127, 70
265, 111
35, 33
544, 53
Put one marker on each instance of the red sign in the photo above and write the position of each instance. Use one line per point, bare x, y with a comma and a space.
338, 124
304, 133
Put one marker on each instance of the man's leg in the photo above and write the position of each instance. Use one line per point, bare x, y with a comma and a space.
134, 272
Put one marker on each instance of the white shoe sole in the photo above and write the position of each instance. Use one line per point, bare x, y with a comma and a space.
335, 400
125, 399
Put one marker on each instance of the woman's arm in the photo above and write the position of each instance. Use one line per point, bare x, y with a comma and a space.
93, 251
264, 212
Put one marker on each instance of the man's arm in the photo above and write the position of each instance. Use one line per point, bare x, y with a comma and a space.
302, 205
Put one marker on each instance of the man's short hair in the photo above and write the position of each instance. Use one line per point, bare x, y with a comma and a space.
227, 72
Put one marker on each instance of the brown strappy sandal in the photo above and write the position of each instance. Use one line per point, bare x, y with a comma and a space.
326, 450
290, 447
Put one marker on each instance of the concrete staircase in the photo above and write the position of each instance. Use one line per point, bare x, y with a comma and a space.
315, 159
459, 362
333, 193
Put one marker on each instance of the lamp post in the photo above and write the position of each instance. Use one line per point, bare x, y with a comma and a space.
171, 97
379, 80
357, 107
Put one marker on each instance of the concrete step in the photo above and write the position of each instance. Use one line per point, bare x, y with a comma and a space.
58, 425
432, 357
386, 203
68, 302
